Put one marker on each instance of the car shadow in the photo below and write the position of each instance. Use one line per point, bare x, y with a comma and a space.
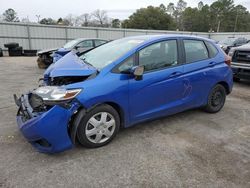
243, 82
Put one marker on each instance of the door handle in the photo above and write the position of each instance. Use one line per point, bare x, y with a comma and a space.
175, 74
211, 64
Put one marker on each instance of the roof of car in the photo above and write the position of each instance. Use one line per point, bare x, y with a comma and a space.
81, 39
148, 38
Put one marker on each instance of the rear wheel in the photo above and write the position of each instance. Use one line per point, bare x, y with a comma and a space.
216, 99
98, 127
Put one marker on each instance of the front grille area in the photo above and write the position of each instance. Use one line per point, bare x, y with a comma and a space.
24, 114
36, 102
242, 57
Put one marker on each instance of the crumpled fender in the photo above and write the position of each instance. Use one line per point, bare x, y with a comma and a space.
75, 124
77, 120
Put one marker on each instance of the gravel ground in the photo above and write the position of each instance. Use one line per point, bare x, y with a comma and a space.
190, 149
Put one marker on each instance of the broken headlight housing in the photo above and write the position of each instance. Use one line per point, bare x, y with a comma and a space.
54, 94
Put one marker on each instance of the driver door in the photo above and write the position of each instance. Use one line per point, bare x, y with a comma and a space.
161, 89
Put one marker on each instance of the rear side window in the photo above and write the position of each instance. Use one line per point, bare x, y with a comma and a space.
86, 44
99, 42
212, 49
195, 50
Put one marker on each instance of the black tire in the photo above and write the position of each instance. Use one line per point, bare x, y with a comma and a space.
1, 52
17, 51
81, 130
216, 99
11, 45
29, 52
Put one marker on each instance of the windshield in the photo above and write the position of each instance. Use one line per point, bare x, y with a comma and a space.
108, 53
71, 44
228, 41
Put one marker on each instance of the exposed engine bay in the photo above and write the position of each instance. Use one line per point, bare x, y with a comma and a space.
65, 80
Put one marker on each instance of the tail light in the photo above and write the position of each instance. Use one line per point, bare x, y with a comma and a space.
228, 60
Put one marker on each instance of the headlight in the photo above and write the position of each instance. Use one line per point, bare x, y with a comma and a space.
53, 93
231, 52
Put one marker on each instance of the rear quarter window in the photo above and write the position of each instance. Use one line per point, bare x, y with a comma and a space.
211, 49
195, 50
99, 42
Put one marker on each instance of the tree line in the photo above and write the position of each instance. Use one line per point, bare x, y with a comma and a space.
220, 16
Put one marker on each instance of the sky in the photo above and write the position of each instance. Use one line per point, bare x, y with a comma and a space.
61, 8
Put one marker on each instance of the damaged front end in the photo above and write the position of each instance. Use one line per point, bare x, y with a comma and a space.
44, 115
65, 80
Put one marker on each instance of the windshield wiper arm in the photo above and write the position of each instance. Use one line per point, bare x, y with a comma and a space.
86, 62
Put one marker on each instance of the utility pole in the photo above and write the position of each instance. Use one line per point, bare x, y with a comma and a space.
218, 21
236, 20
218, 27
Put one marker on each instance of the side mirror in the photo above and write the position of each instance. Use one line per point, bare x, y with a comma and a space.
138, 71
77, 47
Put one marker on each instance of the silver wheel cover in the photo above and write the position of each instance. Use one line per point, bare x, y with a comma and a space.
100, 127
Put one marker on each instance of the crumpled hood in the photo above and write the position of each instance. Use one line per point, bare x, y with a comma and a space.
47, 51
63, 51
69, 65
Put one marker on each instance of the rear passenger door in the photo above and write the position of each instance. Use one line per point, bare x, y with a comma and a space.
197, 64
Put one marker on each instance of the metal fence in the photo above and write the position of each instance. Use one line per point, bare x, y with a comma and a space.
36, 36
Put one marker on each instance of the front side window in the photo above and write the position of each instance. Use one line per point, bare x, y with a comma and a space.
195, 50
126, 65
71, 43
159, 55
85, 44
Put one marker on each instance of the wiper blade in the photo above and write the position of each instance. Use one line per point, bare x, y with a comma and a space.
86, 62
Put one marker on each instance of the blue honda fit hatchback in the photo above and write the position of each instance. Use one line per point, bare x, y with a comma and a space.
87, 99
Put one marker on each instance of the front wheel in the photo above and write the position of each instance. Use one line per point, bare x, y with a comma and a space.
98, 127
216, 99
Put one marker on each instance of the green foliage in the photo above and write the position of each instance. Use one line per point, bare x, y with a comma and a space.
149, 18
48, 21
221, 16
116, 23
177, 13
10, 15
